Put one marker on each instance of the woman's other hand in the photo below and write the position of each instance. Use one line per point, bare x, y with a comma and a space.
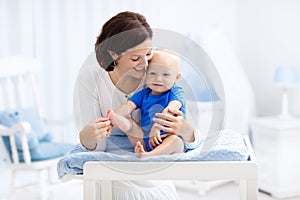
169, 122
95, 131
174, 123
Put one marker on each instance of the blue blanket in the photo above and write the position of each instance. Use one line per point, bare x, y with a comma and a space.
228, 145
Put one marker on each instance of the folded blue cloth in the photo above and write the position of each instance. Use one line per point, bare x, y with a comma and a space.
226, 146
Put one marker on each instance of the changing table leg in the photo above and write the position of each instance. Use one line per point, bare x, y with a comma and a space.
89, 190
248, 190
106, 190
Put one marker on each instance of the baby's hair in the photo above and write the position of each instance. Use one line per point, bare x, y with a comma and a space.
169, 52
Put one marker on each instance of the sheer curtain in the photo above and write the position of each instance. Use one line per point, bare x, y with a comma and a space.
60, 34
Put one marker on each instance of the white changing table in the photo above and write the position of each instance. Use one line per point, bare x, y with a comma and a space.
243, 171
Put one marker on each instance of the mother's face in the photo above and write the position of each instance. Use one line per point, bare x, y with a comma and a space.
134, 61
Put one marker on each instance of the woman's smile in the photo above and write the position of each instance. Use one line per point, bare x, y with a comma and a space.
140, 68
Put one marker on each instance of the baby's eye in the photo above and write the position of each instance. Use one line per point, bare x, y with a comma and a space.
166, 74
152, 73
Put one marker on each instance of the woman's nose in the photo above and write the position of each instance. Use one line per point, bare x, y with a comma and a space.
144, 61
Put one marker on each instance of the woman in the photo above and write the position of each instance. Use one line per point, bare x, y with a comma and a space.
107, 79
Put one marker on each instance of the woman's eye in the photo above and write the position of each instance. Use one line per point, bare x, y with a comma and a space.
135, 59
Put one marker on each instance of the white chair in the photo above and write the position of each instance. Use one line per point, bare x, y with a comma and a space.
18, 89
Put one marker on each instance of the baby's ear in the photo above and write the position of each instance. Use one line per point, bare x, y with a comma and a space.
178, 76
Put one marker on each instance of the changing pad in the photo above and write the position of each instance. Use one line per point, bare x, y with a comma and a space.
229, 146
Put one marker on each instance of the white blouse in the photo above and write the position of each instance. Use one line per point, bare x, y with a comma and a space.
93, 86
94, 93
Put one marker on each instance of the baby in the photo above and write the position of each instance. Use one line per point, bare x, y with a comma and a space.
160, 95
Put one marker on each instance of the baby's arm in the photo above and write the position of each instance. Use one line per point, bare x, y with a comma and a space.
155, 138
174, 104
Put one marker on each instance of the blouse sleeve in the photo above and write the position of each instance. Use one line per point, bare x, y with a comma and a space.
193, 145
85, 100
85, 104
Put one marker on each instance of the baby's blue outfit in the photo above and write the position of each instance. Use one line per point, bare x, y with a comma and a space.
149, 104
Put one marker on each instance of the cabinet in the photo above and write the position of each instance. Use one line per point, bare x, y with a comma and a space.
276, 144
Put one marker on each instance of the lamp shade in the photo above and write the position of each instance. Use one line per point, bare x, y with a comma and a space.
286, 76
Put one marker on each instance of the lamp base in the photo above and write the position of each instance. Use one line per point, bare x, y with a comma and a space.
285, 105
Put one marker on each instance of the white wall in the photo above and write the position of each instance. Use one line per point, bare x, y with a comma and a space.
194, 15
265, 33
268, 36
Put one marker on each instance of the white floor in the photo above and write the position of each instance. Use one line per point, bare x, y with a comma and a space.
73, 189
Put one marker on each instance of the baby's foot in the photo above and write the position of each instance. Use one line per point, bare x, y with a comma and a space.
118, 120
110, 115
139, 150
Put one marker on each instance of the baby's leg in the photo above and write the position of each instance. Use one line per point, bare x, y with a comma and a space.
134, 132
170, 145
120, 121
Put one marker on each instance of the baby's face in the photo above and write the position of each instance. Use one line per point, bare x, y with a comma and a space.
160, 78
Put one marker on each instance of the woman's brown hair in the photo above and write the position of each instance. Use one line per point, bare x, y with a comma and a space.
120, 33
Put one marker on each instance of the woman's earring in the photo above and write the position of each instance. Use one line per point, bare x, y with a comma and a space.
115, 62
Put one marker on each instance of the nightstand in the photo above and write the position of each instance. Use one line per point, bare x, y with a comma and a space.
276, 144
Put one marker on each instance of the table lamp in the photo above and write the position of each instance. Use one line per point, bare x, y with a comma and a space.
286, 77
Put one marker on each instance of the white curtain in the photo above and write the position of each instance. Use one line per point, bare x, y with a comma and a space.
60, 34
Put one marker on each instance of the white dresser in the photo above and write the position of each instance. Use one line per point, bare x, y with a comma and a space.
277, 148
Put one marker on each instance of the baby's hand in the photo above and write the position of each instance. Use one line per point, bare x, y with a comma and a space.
155, 138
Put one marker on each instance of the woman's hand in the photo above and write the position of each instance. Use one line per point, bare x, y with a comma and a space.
174, 123
169, 122
92, 133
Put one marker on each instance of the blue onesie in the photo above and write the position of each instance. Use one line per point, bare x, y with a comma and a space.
149, 104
